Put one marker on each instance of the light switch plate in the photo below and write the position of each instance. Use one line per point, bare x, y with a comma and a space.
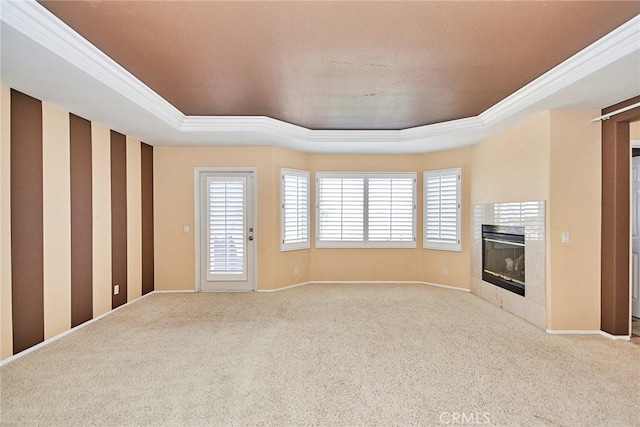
565, 237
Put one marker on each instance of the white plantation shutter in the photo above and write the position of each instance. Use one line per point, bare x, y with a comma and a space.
442, 209
519, 213
295, 210
365, 210
515, 213
226, 207
391, 208
340, 215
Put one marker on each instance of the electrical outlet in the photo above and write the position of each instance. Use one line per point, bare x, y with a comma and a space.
296, 270
116, 289
445, 271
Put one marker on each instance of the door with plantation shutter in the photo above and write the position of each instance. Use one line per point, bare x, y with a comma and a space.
227, 232
442, 209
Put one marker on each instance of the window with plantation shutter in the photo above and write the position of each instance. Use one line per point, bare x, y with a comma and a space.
358, 210
340, 210
294, 195
442, 209
391, 209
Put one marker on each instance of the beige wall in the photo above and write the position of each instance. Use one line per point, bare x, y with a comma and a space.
174, 208
101, 191
573, 288
555, 157
330, 264
174, 205
6, 322
134, 219
57, 219
514, 165
458, 264
285, 262
634, 130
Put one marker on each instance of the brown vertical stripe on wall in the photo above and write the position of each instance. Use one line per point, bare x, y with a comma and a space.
81, 221
147, 218
118, 218
27, 244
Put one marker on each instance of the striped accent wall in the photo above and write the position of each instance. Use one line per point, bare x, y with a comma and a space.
118, 219
81, 220
27, 222
76, 217
146, 161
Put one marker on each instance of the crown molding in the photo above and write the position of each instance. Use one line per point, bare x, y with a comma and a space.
243, 123
38, 24
619, 43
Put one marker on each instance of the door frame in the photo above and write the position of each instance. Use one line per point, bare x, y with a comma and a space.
615, 290
197, 175
633, 209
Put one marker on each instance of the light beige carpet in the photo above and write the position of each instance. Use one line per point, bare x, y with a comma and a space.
322, 355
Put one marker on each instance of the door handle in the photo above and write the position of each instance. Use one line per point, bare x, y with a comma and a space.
250, 237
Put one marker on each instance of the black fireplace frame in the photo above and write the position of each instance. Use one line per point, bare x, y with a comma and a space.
506, 234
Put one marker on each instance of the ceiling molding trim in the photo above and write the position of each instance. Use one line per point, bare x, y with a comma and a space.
277, 128
444, 128
619, 43
243, 123
37, 23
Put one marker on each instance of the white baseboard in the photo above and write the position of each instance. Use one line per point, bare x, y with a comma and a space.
615, 337
573, 332
69, 331
295, 285
179, 291
363, 282
438, 285
587, 332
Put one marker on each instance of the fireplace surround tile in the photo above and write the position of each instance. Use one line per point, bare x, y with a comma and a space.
535, 314
513, 303
535, 262
535, 289
476, 286
531, 215
491, 294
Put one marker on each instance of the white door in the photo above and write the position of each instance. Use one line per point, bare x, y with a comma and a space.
635, 236
227, 231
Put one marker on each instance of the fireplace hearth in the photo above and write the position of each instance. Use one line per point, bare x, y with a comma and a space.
503, 256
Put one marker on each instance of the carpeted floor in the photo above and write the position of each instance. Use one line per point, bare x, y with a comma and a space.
322, 355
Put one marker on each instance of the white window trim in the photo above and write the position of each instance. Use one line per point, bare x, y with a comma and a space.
364, 243
456, 247
285, 247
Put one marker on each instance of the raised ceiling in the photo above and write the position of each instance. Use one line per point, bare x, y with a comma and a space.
43, 57
341, 65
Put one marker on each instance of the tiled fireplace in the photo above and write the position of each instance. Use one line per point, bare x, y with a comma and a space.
508, 258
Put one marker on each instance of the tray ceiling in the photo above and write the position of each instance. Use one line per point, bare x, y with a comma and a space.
340, 65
